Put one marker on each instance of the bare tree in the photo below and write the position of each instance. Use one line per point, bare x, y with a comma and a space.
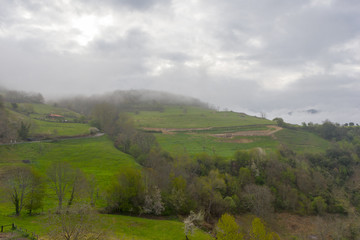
75, 223
19, 182
259, 199
66, 181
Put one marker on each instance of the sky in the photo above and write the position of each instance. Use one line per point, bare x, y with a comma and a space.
277, 57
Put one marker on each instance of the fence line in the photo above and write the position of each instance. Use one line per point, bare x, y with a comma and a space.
3, 226
32, 235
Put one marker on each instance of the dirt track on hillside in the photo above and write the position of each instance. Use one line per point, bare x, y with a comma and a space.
172, 130
270, 131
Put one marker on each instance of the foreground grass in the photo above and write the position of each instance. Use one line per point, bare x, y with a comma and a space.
116, 227
194, 117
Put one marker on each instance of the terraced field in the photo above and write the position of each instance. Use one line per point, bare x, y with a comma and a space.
192, 130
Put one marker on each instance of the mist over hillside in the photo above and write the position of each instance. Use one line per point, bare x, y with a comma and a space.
132, 100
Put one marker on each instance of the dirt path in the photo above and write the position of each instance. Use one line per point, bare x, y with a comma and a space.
171, 130
272, 129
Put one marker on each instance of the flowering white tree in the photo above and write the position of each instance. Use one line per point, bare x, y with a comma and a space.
191, 222
153, 202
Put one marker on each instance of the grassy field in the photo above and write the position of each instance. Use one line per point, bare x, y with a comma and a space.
94, 156
40, 125
301, 141
195, 143
41, 110
194, 117
58, 129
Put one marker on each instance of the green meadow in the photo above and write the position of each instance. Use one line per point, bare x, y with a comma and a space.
302, 141
39, 127
194, 117
41, 110
181, 143
96, 155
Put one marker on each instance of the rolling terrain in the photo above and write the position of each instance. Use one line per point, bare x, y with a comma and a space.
178, 130
193, 130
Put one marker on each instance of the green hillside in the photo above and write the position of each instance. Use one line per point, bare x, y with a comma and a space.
192, 130
42, 126
53, 129
180, 170
194, 117
181, 143
94, 155
302, 141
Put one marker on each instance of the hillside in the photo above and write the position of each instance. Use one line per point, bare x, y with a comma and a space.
186, 129
45, 121
163, 162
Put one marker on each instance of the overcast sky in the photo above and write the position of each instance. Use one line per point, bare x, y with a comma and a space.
279, 57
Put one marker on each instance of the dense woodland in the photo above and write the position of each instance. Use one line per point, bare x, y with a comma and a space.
252, 181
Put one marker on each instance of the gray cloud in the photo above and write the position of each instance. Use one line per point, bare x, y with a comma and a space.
273, 56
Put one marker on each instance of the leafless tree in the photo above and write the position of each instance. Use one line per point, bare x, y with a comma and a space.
77, 222
65, 180
259, 199
19, 181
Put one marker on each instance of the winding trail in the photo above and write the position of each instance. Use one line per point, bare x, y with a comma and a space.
270, 131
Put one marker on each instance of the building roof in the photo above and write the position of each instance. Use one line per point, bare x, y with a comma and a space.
55, 115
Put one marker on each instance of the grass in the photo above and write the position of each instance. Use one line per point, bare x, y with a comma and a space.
180, 143
117, 227
35, 114
301, 141
229, 129
58, 128
194, 117
40, 110
94, 156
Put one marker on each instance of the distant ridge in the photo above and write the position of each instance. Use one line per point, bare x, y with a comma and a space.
131, 100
